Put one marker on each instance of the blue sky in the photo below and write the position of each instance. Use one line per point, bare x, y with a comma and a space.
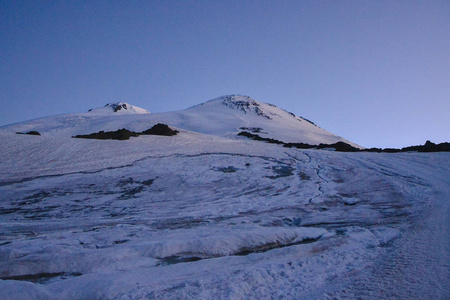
374, 72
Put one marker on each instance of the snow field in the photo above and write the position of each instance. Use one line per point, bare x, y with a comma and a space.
200, 217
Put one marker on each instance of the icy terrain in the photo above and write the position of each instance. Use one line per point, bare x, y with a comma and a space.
224, 116
202, 216
118, 108
194, 217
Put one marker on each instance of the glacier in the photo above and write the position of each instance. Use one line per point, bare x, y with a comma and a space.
205, 214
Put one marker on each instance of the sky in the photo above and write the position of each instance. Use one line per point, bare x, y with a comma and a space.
374, 72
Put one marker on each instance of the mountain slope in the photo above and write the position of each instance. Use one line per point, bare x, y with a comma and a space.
119, 108
195, 217
214, 216
229, 115
224, 116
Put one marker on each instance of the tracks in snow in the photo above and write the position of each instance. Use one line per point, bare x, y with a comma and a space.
416, 266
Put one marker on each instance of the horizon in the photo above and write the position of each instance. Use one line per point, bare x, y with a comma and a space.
217, 98
374, 73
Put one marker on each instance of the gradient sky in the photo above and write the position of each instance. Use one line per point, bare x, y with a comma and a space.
374, 72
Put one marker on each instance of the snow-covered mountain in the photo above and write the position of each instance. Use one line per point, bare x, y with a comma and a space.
228, 115
118, 108
207, 215
224, 116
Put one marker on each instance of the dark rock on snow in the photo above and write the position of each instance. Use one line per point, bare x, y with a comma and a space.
429, 147
29, 132
339, 146
160, 129
121, 134
125, 134
344, 147
259, 138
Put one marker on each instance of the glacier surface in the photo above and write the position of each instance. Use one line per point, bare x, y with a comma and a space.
196, 216
207, 214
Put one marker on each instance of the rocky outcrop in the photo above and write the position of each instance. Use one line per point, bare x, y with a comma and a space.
125, 134
160, 129
121, 134
29, 132
344, 147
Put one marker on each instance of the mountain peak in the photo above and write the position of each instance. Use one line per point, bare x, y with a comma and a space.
242, 103
224, 116
119, 107
234, 98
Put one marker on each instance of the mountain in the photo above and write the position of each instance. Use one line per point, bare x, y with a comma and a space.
206, 214
119, 108
225, 116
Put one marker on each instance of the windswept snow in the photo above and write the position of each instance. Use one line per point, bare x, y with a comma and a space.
209, 215
201, 216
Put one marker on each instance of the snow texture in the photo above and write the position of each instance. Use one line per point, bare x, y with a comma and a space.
118, 108
203, 216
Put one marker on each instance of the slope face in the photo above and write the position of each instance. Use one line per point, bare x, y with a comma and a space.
244, 104
249, 105
191, 217
228, 115
224, 116
111, 117
119, 108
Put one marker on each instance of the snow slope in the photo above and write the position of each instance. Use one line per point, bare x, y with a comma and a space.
118, 108
225, 116
201, 216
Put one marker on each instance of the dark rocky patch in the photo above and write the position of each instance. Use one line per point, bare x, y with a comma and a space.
385, 150
308, 121
116, 108
125, 134
245, 106
339, 146
344, 147
259, 138
298, 145
160, 129
121, 134
40, 277
252, 129
29, 132
427, 147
